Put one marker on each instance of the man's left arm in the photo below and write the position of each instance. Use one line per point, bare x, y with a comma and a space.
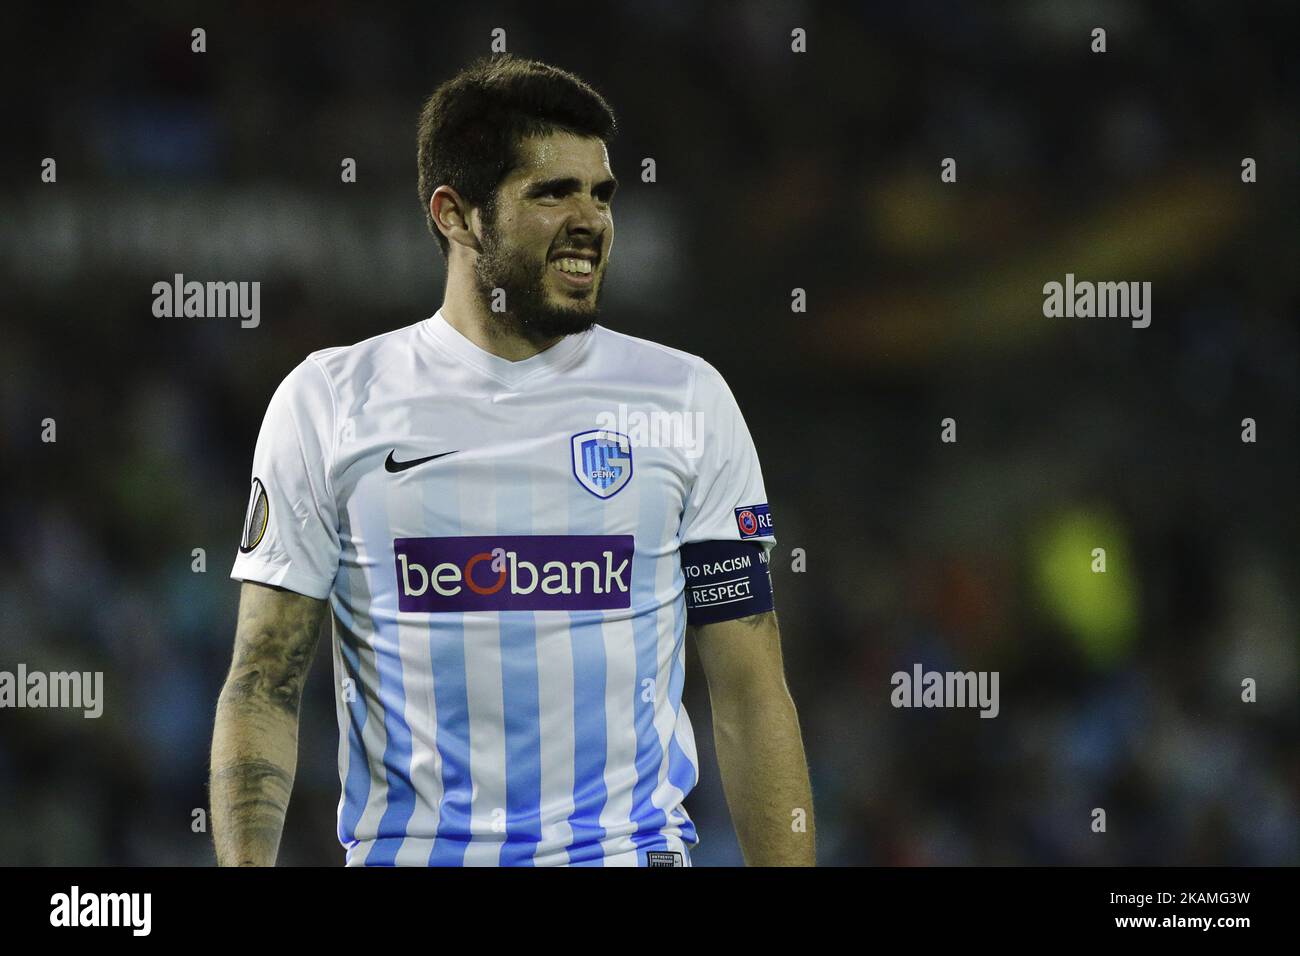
756, 732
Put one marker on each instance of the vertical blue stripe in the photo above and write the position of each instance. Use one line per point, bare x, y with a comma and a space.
451, 702
450, 695
650, 756
391, 692
680, 767
590, 741
519, 691
682, 773
519, 688
356, 788
397, 752
356, 785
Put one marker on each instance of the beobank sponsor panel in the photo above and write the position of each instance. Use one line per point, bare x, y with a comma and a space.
514, 573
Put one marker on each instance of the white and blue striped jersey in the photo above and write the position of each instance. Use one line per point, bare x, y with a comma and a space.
500, 543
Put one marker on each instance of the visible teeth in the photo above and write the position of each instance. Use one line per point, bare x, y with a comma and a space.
579, 266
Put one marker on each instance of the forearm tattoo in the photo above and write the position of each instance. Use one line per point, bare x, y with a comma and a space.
254, 750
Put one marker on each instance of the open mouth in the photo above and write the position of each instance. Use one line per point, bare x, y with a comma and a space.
577, 271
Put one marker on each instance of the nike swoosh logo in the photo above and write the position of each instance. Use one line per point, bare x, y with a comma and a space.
391, 464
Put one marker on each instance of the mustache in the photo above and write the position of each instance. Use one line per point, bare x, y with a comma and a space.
594, 250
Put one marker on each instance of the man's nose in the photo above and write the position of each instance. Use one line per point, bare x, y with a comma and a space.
587, 217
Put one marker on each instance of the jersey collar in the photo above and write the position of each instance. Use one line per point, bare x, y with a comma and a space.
501, 369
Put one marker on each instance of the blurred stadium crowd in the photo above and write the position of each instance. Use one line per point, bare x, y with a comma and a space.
819, 171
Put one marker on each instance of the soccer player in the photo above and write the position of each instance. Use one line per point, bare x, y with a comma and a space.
515, 516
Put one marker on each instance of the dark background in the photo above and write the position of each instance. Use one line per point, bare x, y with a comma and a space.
776, 170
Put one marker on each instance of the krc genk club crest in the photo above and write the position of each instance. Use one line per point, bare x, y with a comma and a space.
602, 461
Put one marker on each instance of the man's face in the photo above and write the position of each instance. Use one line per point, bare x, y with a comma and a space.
548, 243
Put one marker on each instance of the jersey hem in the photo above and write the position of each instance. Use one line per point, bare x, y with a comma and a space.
281, 576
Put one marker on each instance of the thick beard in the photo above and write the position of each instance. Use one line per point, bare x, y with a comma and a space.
529, 313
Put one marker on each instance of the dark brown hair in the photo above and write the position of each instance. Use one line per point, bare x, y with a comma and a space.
471, 126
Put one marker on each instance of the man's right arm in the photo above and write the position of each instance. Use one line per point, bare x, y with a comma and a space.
255, 738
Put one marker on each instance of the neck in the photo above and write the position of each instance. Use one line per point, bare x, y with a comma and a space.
467, 313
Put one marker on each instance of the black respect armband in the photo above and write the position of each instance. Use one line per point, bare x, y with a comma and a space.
725, 580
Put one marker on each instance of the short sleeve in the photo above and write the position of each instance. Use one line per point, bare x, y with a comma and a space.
727, 500
290, 537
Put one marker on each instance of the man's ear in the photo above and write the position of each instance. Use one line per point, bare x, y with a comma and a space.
455, 218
